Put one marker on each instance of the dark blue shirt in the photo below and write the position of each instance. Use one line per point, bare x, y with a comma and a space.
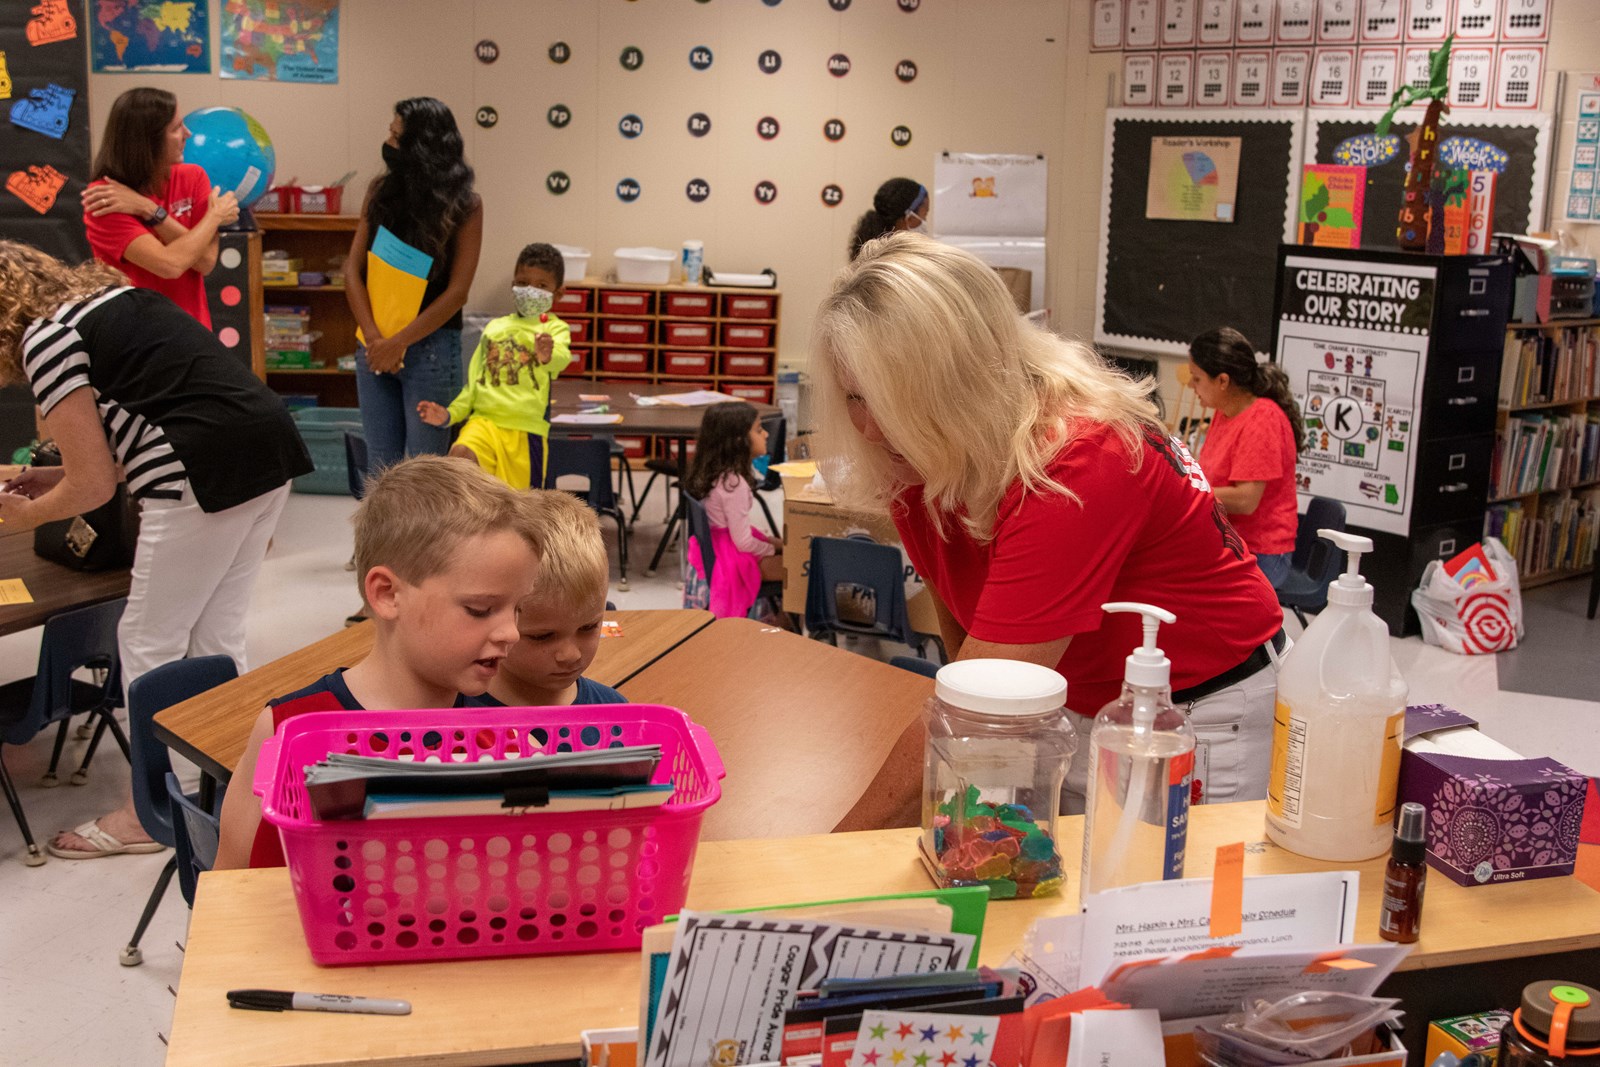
589, 692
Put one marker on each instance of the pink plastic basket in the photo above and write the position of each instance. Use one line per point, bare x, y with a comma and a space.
396, 890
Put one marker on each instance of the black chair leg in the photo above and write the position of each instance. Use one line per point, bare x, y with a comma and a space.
666, 539
767, 513
33, 857
622, 549
638, 504
1594, 587
50, 781
130, 955
107, 721
1302, 617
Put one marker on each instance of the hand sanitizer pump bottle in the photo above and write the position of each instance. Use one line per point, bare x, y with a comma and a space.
1336, 733
1141, 762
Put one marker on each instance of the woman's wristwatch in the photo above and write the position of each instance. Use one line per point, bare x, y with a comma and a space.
158, 218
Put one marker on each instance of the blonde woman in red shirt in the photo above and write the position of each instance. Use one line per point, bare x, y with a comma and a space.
1249, 452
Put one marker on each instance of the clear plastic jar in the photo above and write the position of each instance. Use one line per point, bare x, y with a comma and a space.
999, 744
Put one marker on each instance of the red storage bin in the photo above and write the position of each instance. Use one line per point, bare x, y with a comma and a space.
634, 447
691, 305
625, 360
572, 301
580, 329
686, 362
760, 394
739, 306
626, 331
688, 334
753, 365
742, 336
580, 360
623, 302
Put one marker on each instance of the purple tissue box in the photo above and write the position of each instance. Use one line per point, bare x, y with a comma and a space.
1491, 820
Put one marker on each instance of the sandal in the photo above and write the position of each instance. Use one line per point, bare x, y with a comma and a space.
104, 844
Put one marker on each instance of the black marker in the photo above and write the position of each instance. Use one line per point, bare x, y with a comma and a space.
279, 1000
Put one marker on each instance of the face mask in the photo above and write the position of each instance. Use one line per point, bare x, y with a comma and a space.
391, 155
531, 302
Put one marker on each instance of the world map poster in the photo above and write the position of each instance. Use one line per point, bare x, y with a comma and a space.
281, 40
1192, 179
150, 37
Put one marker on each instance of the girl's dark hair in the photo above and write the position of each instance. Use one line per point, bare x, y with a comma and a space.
424, 197
722, 448
1227, 351
894, 198
133, 147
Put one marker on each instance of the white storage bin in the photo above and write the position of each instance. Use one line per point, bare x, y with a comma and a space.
576, 262
651, 266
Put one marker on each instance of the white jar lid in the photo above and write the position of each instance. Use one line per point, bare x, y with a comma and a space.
1000, 686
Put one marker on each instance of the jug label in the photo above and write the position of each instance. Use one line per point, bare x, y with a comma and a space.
1286, 783
1389, 773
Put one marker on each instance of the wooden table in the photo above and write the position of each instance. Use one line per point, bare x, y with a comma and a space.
800, 725
212, 728
55, 588
245, 932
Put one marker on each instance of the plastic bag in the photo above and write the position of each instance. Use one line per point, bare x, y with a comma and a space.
1299, 1028
1478, 608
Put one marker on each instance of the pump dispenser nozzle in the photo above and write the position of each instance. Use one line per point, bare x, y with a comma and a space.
1148, 665
1351, 588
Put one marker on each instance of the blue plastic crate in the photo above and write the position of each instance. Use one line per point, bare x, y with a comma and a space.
323, 430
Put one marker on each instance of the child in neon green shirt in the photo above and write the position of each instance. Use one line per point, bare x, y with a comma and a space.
508, 381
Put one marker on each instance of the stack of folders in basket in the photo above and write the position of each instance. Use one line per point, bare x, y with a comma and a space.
369, 787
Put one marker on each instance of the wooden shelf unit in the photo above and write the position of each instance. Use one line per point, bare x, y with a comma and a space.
1538, 507
654, 311
318, 241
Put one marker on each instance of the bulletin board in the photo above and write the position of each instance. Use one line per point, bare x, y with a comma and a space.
1160, 282
1524, 137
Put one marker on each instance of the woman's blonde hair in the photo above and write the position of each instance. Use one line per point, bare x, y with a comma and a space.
973, 396
32, 286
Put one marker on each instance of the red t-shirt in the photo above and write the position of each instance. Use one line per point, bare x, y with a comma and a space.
186, 196
1155, 535
1257, 445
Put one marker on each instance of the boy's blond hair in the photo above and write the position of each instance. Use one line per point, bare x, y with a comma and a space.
416, 513
573, 566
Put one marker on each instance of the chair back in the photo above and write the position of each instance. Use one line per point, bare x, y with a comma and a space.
150, 693
1190, 421
583, 457
916, 665
1315, 558
84, 638
700, 530
862, 568
198, 832
355, 463
777, 428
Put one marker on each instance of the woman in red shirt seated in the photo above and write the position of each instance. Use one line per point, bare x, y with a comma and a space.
1249, 452
148, 213
1031, 482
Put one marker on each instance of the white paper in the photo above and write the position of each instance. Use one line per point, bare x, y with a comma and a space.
1138, 80
584, 418
1216, 22
1024, 253
1116, 1039
1330, 79
1281, 911
1177, 79
1213, 71
730, 978
1186, 988
1427, 20
1377, 76
1254, 25
1336, 21
1141, 23
695, 398
1296, 21
1050, 954
1177, 23
1477, 20
1380, 20
1471, 76
1519, 77
1526, 20
990, 195
742, 281
1291, 68
1252, 77
1107, 33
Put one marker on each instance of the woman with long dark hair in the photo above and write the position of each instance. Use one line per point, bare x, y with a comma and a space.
899, 204
1249, 452
147, 212
425, 199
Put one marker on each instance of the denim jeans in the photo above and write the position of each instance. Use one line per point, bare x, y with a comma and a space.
1275, 567
389, 417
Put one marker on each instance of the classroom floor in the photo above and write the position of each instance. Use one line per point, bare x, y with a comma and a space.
69, 1002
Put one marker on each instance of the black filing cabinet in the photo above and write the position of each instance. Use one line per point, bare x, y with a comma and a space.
1440, 339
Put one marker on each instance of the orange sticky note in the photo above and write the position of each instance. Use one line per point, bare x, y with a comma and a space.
1227, 891
1335, 962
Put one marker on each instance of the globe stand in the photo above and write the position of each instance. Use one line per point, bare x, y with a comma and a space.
245, 223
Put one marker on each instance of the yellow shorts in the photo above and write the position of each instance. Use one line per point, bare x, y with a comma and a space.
501, 452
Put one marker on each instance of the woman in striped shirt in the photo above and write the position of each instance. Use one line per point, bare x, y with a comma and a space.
126, 379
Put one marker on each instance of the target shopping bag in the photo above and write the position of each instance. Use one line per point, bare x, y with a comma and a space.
1471, 604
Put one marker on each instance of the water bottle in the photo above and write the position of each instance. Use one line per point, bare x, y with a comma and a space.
694, 257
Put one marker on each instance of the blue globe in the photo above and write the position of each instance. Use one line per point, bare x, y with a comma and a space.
233, 149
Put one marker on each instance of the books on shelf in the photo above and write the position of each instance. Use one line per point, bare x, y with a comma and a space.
1547, 368
1559, 535
1535, 452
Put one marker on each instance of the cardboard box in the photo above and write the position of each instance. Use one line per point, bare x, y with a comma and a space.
1466, 1034
1493, 815
809, 513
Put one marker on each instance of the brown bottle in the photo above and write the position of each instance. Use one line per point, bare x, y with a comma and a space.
1404, 879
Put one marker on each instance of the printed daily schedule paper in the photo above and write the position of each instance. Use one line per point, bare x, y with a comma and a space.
14, 591
731, 978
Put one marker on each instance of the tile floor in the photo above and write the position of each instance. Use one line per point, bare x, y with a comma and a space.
66, 999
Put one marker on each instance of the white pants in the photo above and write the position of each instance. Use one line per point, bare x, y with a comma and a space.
192, 578
1233, 743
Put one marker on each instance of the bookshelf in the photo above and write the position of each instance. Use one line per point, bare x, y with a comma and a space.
318, 241
1544, 495
698, 337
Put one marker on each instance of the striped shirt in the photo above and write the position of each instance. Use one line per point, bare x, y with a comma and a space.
57, 364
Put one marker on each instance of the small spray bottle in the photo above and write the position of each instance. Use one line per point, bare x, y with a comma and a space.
1141, 760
